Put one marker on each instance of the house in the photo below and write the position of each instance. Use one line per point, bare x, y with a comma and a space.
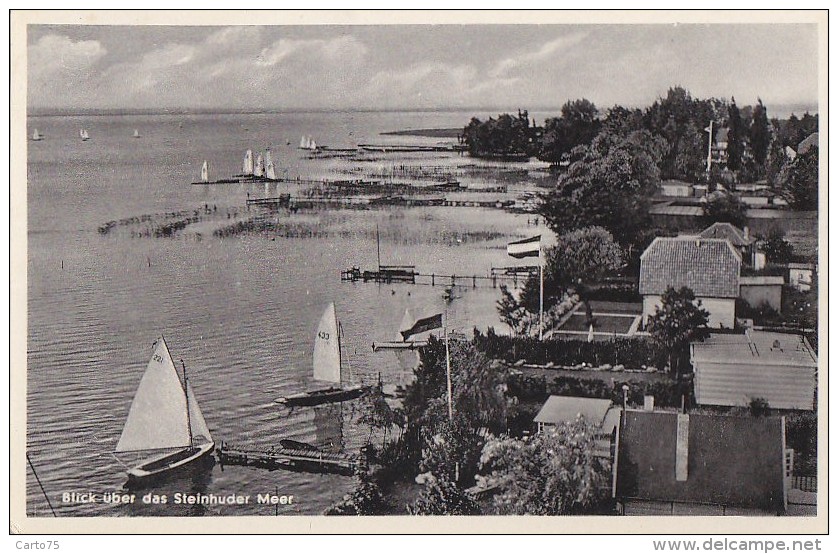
558, 410
740, 239
719, 147
807, 144
676, 188
710, 267
732, 370
800, 275
669, 463
758, 290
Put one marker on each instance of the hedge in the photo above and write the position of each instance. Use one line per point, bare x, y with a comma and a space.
633, 352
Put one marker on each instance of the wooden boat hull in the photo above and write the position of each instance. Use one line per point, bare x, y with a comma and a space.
324, 396
397, 345
163, 466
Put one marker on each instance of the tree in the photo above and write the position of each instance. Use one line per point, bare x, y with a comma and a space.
556, 472
798, 181
578, 125
578, 260
679, 320
777, 249
726, 208
776, 158
504, 137
609, 185
443, 498
735, 136
365, 500
760, 134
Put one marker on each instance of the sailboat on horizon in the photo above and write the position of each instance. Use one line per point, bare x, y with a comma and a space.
84, 134
327, 360
165, 420
137, 134
36, 135
308, 143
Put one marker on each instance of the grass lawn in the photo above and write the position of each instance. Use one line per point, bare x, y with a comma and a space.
602, 323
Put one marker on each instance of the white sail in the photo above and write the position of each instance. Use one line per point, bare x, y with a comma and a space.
136, 133
270, 171
259, 169
200, 431
247, 165
36, 135
205, 172
303, 142
157, 418
327, 348
84, 134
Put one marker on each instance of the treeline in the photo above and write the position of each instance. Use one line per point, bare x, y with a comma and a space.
754, 149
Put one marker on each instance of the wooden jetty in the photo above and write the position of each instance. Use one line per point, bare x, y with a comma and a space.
408, 274
292, 459
384, 148
276, 201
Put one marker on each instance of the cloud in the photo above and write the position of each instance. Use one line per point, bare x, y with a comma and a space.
528, 61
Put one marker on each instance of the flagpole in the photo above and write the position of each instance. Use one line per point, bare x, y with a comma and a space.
709, 146
540, 294
448, 366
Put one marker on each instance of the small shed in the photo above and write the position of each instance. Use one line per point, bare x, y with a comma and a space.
762, 289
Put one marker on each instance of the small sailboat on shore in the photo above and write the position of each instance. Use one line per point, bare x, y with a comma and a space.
327, 367
400, 343
84, 134
165, 420
36, 135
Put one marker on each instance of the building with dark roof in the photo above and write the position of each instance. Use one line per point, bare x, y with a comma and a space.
710, 267
668, 463
732, 370
807, 144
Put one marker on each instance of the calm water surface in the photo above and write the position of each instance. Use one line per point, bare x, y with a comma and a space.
240, 311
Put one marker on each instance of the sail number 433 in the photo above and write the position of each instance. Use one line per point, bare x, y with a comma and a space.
323, 335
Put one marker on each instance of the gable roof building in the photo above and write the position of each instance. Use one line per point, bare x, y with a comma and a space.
740, 238
686, 464
710, 267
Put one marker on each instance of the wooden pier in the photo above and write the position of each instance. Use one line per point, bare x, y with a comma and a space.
385, 148
277, 201
292, 459
408, 274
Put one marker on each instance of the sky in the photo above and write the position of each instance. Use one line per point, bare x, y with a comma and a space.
317, 67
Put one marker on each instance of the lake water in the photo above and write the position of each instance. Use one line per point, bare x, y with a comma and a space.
240, 310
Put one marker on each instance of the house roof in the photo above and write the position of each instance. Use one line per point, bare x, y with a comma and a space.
748, 476
731, 370
710, 267
727, 231
807, 144
560, 409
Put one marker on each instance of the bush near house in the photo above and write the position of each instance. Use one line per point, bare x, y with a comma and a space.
634, 353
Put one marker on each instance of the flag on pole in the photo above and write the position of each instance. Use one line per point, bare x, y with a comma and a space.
422, 325
591, 333
526, 248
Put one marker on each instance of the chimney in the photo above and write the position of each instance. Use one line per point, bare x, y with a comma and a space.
682, 447
649, 403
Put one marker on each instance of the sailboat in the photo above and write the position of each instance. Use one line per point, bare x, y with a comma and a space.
165, 419
205, 172
137, 133
84, 134
247, 164
270, 170
327, 367
308, 143
36, 135
259, 167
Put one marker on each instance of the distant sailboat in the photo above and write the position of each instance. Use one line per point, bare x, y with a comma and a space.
270, 170
327, 367
308, 143
304, 142
36, 135
259, 168
247, 164
137, 133
205, 172
164, 416
84, 134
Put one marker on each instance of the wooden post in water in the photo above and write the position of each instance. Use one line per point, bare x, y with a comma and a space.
432, 280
